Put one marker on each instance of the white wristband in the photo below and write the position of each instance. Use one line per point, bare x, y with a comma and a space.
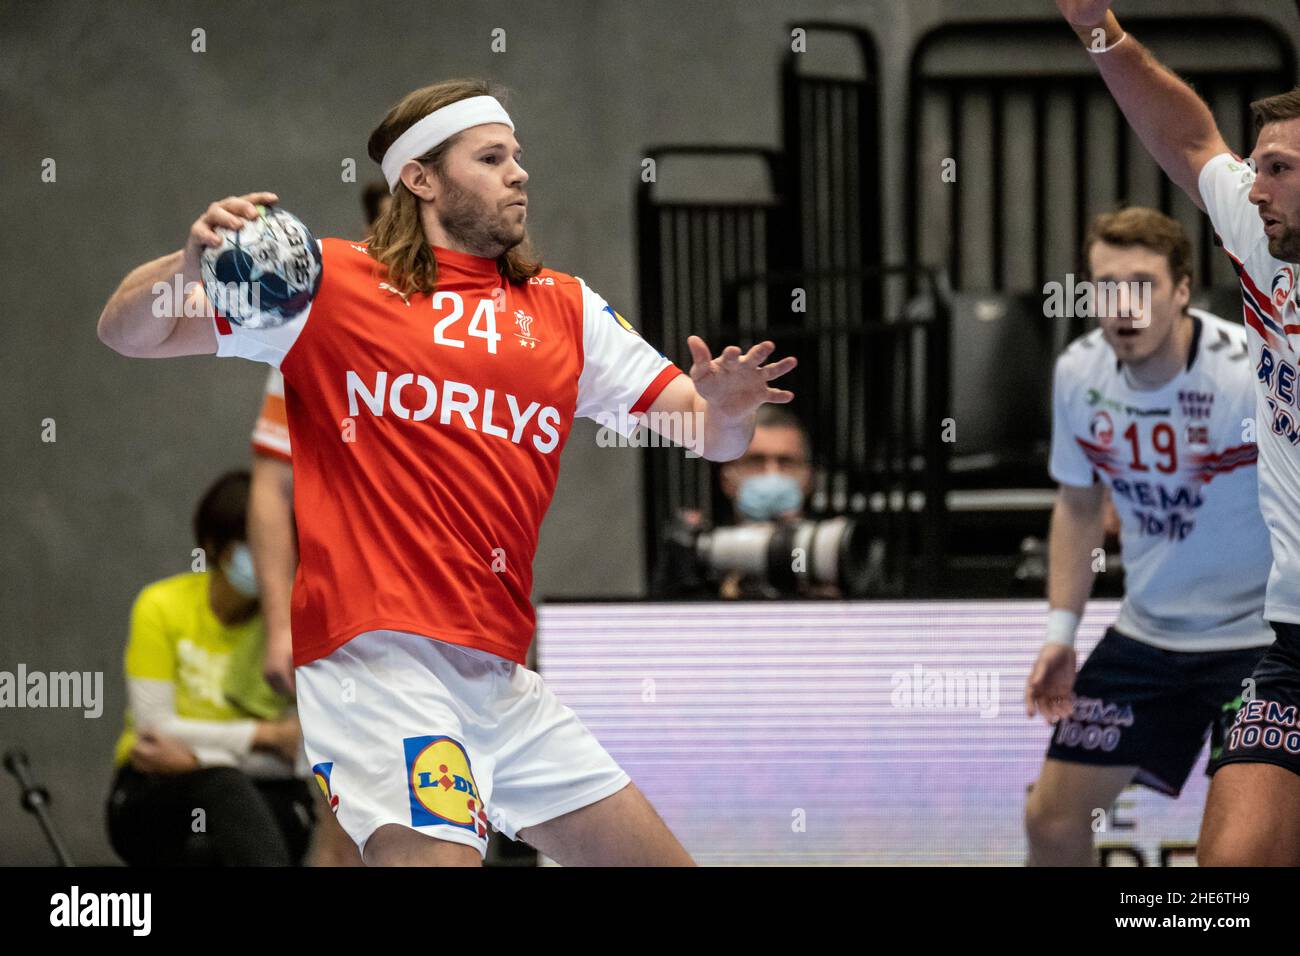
1107, 49
1061, 626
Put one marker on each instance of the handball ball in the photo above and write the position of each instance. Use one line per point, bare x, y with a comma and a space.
265, 274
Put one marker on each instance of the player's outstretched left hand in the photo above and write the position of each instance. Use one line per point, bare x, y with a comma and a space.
733, 384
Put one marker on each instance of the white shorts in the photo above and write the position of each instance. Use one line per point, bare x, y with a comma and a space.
444, 739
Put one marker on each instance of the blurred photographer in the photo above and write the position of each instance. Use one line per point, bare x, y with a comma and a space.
767, 488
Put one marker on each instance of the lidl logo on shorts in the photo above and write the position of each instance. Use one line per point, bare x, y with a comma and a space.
442, 785
322, 772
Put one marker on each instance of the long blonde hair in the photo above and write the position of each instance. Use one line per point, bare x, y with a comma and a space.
398, 242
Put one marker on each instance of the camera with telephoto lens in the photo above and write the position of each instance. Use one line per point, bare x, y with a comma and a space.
782, 558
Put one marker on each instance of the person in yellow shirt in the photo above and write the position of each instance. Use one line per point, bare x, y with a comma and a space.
210, 768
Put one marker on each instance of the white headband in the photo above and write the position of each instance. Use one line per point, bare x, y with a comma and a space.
437, 127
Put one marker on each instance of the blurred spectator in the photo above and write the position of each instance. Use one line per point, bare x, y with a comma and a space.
208, 768
770, 482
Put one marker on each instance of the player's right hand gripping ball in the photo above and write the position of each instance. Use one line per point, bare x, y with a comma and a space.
265, 274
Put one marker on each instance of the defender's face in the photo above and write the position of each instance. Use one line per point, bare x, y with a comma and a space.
1137, 325
1276, 192
483, 186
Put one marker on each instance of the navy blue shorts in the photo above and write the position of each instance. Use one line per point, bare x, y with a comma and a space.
1142, 706
1267, 728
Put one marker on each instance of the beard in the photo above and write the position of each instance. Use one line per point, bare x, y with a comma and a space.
472, 223
1285, 247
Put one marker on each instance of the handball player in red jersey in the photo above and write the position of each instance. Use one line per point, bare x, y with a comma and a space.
430, 388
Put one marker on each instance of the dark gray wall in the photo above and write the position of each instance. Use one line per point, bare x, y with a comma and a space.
145, 133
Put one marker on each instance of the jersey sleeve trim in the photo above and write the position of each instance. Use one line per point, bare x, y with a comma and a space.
657, 385
1075, 484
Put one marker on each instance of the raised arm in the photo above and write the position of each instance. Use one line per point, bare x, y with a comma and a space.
141, 321
1173, 123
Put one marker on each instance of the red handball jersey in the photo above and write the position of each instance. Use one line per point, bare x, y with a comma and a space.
427, 432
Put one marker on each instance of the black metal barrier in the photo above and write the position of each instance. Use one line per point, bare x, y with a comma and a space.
688, 250
820, 213
831, 140
1015, 143
873, 390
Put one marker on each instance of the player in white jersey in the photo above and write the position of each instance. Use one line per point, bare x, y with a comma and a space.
1156, 406
1252, 816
